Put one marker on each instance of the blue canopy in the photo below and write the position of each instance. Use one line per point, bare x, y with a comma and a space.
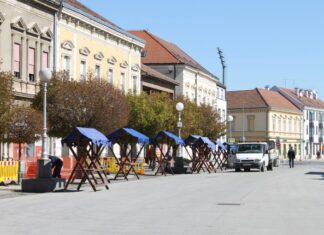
166, 136
191, 139
128, 135
90, 134
220, 145
205, 140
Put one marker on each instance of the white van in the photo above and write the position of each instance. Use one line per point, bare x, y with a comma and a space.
253, 155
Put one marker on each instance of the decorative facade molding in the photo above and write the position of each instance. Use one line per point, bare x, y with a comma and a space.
47, 34
2, 18
68, 45
136, 67
124, 64
19, 24
34, 29
84, 51
99, 56
112, 60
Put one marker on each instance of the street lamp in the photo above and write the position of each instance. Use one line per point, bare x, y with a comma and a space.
44, 166
179, 160
230, 119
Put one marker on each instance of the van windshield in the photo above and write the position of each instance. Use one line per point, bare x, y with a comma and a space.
250, 148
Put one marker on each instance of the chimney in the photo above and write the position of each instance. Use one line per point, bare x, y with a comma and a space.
297, 91
267, 87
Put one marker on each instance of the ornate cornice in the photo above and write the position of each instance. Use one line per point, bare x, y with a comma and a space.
34, 29
98, 56
67, 45
85, 51
19, 24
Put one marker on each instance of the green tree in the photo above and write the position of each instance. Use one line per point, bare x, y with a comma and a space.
150, 114
90, 103
25, 126
6, 97
199, 120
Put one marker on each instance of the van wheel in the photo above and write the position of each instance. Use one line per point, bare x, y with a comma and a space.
237, 169
246, 169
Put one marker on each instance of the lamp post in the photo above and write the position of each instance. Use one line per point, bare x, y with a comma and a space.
44, 166
179, 108
230, 119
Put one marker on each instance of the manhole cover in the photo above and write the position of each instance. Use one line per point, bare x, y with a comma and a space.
229, 204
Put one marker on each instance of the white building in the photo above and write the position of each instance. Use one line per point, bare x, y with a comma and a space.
195, 82
313, 108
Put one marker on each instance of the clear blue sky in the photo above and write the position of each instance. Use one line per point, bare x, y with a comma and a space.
265, 42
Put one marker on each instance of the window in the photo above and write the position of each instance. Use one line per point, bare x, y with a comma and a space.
97, 72
135, 85
111, 76
284, 125
45, 61
250, 122
31, 64
66, 66
122, 82
279, 124
233, 123
306, 129
17, 60
289, 125
273, 124
83, 71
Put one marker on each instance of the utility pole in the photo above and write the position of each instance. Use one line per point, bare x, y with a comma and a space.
221, 57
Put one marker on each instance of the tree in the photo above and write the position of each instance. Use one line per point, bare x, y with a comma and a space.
6, 97
90, 103
150, 114
200, 120
24, 127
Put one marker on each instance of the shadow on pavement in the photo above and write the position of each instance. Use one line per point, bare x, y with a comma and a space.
319, 173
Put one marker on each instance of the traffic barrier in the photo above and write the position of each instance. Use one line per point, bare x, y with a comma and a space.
109, 163
8, 171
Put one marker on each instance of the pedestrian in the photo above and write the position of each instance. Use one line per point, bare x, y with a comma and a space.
291, 157
318, 155
57, 164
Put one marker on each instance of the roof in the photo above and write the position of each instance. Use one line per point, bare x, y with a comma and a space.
128, 135
259, 98
77, 6
82, 133
167, 137
305, 101
205, 141
159, 51
148, 71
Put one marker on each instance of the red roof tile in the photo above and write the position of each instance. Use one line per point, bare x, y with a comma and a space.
305, 100
246, 99
259, 98
159, 51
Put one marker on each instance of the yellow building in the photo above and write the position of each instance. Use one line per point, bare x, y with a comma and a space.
89, 44
262, 115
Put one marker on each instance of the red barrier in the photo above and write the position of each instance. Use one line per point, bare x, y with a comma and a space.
31, 167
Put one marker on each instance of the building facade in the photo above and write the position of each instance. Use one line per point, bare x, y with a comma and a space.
26, 43
26, 46
313, 118
90, 45
263, 115
195, 82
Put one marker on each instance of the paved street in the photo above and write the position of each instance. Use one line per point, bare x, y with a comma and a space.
286, 201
